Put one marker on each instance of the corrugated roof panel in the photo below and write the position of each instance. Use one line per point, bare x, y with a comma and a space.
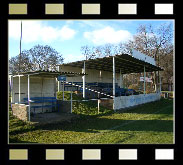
125, 62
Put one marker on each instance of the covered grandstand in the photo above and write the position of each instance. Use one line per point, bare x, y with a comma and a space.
104, 78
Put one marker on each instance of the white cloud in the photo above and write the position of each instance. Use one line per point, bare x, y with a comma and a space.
37, 31
108, 35
92, 24
66, 33
71, 58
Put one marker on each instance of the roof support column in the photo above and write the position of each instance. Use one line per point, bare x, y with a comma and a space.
12, 91
63, 91
55, 87
114, 77
29, 94
144, 79
10, 87
155, 86
84, 80
71, 94
98, 105
19, 90
160, 83
58, 86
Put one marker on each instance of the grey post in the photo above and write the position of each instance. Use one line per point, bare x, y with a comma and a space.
71, 95
84, 79
63, 91
113, 80
19, 89
144, 80
29, 95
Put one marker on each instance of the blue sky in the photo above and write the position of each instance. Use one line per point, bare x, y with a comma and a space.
68, 36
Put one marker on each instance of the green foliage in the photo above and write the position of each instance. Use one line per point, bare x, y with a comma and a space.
89, 108
134, 86
82, 107
67, 96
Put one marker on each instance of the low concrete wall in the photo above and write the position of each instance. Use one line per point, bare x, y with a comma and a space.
133, 100
20, 111
64, 106
42, 109
108, 103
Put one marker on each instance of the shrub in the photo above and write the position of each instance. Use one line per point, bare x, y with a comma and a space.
134, 86
67, 96
89, 107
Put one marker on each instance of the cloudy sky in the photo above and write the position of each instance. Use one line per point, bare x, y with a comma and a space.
67, 36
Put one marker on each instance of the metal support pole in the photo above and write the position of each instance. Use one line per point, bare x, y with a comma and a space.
160, 83
144, 79
10, 88
155, 84
114, 92
98, 106
122, 85
71, 95
12, 97
114, 76
63, 91
29, 95
84, 79
55, 87
19, 89
120, 79
100, 76
58, 86
42, 95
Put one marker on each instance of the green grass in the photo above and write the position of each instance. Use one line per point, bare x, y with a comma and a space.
150, 123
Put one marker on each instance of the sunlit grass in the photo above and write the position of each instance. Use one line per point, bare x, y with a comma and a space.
150, 123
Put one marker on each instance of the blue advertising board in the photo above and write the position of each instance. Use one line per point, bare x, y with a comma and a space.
61, 78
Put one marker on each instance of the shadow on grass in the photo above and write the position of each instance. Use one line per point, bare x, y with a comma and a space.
16, 140
99, 124
95, 124
17, 123
21, 130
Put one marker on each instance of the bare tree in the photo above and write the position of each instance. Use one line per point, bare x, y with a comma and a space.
23, 65
39, 57
152, 42
166, 61
87, 52
102, 51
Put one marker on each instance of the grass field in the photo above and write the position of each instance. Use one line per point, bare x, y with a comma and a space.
150, 123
